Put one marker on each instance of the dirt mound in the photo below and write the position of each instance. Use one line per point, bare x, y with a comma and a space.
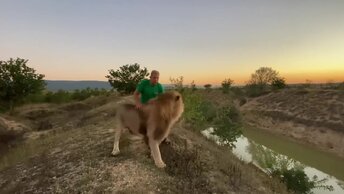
323, 108
313, 116
75, 106
11, 130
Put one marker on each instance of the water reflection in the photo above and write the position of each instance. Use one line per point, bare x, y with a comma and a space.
288, 170
297, 176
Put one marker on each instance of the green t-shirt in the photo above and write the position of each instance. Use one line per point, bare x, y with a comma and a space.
149, 91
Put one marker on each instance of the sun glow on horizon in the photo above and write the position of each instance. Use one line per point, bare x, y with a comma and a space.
206, 43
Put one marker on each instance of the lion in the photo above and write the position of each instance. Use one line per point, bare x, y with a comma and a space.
153, 121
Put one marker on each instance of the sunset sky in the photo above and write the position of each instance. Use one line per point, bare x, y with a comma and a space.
202, 40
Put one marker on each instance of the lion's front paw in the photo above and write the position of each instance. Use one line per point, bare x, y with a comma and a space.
167, 141
160, 164
115, 152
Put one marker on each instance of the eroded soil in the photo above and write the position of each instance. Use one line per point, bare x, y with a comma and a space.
311, 116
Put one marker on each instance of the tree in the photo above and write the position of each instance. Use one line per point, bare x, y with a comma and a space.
207, 87
126, 78
278, 83
262, 79
226, 84
263, 76
17, 81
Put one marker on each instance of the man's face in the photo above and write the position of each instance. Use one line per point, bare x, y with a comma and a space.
154, 78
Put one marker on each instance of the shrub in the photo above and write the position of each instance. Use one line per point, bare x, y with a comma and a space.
287, 170
227, 125
193, 111
207, 87
17, 81
193, 86
177, 83
261, 81
278, 83
126, 78
226, 84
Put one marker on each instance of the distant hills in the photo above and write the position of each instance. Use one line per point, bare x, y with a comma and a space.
55, 85
67, 85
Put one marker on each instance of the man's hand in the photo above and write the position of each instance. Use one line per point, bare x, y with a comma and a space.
138, 105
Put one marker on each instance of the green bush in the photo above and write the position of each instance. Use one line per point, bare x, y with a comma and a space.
287, 170
35, 98
177, 83
226, 85
227, 125
298, 182
209, 110
60, 96
192, 102
194, 108
126, 78
202, 113
198, 111
17, 81
278, 83
80, 95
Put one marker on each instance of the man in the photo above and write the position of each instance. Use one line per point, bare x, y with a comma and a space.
148, 89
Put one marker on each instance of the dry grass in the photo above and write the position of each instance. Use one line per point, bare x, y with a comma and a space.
74, 156
311, 116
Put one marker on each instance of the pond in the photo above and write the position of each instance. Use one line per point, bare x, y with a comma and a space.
273, 153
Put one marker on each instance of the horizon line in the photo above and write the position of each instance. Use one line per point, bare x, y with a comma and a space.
311, 83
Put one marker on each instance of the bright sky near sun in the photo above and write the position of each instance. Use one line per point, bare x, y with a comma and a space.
203, 40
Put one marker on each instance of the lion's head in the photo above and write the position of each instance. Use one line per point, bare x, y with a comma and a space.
169, 105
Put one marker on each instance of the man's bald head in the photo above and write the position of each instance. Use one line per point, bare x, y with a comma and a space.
154, 77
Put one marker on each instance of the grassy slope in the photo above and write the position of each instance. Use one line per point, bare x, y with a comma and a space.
74, 156
312, 116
